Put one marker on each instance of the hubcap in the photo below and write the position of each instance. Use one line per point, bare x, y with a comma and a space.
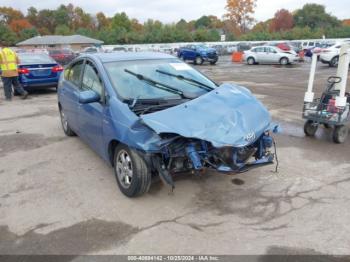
64, 120
124, 169
198, 60
284, 61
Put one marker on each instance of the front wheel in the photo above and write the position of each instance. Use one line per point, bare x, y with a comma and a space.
284, 61
340, 134
198, 61
310, 128
132, 172
65, 126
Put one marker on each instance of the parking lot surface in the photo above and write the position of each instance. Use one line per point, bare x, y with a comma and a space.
58, 197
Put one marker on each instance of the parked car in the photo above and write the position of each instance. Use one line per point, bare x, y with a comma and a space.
269, 55
119, 49
91, 49
198, 54
38, 71
330, 55
282, 46
62, 56
149, 114
309, 44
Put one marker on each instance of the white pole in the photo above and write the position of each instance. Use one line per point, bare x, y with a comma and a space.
309, 95
342, 72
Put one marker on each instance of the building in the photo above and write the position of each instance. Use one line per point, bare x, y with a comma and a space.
75, 42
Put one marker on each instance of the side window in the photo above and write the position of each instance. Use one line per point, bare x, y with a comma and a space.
91, 80
271, 50
73, 73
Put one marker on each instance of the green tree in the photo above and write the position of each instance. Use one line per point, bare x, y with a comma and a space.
62, 30
121, 21
28, 33
47, 21
314, 16
204, 21
32, 14
7, 37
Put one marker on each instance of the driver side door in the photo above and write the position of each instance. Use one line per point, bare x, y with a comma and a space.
91, 115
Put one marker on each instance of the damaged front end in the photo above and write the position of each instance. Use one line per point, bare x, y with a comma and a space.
183, 155
227, 129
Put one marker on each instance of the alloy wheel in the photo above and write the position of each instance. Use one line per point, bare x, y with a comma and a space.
124, 168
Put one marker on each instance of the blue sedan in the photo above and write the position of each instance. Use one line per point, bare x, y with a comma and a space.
38, 70
150, 114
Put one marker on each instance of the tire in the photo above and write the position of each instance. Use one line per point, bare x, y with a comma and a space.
131, 171
284, 61
182, 57
310, 128
198, 61
340, 134
213, 62
334, 62
64, 122
251, 61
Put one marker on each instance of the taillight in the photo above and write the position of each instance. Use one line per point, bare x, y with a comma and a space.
23, 71
56, 69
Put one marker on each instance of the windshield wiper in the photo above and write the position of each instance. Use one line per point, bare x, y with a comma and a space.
186, 79
158, 85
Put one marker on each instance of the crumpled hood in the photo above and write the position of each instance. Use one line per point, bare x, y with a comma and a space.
227, 116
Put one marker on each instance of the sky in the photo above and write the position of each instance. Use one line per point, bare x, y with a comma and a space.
169, 11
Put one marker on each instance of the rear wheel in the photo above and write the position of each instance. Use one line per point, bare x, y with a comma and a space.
213, 62
310, 128
284, 61
198, 61
250, 61
334, 62
64, 121
132, 172
340, 134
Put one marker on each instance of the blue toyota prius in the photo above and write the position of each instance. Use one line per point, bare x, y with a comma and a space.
150, 114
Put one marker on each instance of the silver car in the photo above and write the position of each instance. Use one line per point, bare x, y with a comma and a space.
269, 55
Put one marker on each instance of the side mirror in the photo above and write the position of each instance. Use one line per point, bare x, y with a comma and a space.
89, 96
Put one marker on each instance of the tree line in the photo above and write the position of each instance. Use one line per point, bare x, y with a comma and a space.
311, 21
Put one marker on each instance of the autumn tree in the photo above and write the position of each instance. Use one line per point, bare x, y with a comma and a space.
18, 25
240, 13
8, 14
346, 22
102, 21
282, 21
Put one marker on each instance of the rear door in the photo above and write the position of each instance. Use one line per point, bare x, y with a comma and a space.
69, 93
91, 115
260, 54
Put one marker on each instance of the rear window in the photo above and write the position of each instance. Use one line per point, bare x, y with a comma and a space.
32, 58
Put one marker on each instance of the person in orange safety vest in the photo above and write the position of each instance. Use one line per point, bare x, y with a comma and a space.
9, 73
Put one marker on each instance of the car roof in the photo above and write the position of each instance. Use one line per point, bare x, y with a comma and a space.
127, 56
